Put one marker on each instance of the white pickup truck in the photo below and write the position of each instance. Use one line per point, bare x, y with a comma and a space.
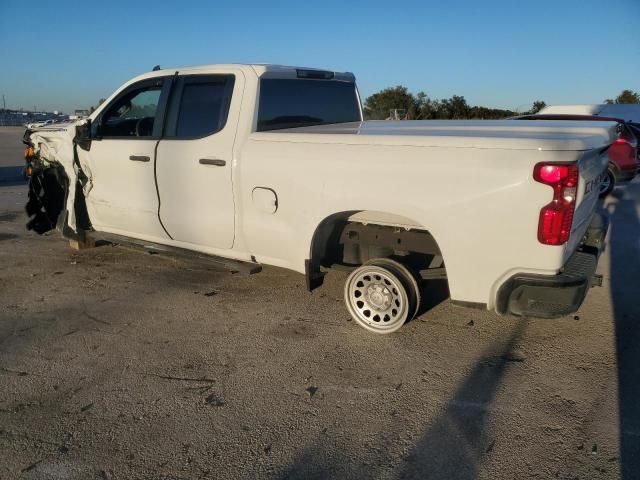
274, 165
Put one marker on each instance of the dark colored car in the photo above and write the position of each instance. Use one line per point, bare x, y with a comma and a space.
624, 156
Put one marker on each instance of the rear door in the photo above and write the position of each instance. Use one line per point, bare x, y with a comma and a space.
194, 159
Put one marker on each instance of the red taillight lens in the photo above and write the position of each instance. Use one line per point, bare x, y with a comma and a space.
623, 153
554, 225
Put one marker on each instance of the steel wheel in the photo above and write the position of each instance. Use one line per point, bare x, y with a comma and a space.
380, 297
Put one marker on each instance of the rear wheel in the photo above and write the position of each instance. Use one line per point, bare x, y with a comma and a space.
382, 295
606, 187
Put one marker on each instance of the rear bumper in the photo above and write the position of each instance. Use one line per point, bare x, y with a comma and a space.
551, 296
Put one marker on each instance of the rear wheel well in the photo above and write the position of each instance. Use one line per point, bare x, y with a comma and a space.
341, 243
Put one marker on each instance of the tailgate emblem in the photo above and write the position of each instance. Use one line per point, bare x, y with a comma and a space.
594, 183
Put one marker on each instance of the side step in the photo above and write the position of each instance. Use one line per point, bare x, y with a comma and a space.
246, 268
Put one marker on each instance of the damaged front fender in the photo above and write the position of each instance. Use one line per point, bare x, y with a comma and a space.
47, 195
56, 196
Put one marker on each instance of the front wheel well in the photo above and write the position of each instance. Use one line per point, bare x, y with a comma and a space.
48, 190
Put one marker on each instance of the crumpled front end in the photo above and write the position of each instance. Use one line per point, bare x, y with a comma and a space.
53, 181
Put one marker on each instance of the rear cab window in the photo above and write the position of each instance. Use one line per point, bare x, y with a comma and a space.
298, 102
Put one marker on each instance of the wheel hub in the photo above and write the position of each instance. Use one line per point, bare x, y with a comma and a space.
379, 297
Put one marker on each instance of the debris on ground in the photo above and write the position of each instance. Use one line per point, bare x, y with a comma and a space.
214, 400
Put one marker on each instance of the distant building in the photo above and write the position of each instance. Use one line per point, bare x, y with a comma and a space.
81, 113
20, 117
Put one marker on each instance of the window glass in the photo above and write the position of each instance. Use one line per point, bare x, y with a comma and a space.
132, 115
289, 103
203, 106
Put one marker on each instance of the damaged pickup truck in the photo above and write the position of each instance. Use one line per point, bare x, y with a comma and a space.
274, 165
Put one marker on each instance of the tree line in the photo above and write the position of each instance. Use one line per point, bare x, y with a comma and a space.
399, 103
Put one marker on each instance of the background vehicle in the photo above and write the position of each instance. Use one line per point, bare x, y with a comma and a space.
43, 123
271, 164
628, 112
624, 155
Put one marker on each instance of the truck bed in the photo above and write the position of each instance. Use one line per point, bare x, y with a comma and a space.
503, 134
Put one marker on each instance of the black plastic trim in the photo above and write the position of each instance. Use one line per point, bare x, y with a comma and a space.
313, 276
227, 263
475, 305
552, 296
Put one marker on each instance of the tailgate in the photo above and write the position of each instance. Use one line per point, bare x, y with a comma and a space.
592, 167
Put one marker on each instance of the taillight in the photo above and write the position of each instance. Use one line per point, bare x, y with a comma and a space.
554, 225
624, 151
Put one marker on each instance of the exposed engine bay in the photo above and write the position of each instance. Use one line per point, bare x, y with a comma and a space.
57, 183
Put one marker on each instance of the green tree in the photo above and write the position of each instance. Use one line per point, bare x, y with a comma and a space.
537, 106
380, 105
485, 113
427, 108
421, 107
626, 96
454, 108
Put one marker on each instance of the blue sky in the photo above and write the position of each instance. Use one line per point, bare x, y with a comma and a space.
67, 54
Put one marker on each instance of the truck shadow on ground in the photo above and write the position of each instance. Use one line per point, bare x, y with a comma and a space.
459, 439
455, 444
624, 236
438, 292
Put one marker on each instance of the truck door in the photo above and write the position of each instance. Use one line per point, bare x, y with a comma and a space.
120, 161
194, 159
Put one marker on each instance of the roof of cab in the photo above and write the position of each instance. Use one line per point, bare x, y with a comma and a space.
260, 69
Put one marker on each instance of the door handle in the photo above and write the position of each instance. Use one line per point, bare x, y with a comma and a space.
213, 161
139, 158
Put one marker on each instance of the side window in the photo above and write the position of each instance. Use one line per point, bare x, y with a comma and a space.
133, 114
199, 106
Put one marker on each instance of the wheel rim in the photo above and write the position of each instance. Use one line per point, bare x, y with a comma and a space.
377, 299
605, 184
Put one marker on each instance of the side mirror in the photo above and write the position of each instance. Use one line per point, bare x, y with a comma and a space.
83, 135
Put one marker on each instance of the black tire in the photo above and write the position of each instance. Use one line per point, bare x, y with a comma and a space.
409, 276
382, 295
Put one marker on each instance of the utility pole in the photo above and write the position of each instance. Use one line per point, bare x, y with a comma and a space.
4, 104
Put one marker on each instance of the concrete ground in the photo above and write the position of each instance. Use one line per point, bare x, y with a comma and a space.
11, 154
117, 364
11, 146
